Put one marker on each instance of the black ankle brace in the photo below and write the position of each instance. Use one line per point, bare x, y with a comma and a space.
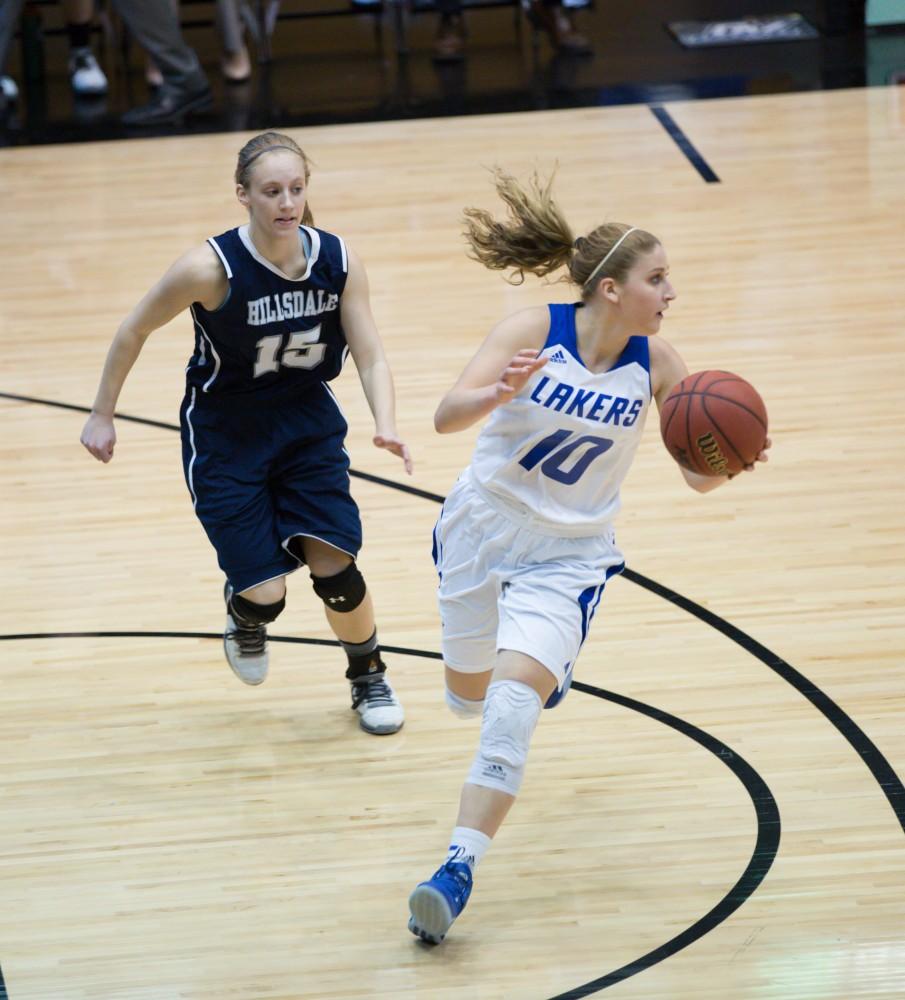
366, 667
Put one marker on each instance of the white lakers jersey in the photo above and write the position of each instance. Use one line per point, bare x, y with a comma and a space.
555, 455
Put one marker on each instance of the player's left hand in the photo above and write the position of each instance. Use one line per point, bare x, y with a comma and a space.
516, 374
762, 456
392, 443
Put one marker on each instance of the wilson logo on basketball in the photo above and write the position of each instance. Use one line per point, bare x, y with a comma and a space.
708, 447
714, 423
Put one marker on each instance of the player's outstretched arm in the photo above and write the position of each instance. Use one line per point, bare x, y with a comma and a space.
499, 370
370, 360
196, 277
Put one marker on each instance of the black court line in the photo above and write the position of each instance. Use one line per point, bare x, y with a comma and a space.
765, 847
860, 742
402, 487
879, 767
86, 409
134, 634
684, 143
765, 807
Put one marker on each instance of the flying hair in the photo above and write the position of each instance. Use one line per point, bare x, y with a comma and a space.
537, 239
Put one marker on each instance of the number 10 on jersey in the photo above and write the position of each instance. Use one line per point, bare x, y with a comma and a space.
557, 448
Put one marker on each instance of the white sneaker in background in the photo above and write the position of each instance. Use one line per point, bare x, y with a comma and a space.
9, 88
85, 74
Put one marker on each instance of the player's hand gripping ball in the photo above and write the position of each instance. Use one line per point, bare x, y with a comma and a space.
714, 423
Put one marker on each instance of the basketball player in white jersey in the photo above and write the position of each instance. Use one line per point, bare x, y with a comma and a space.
524, 543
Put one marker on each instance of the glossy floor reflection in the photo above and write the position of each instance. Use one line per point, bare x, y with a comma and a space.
370, 66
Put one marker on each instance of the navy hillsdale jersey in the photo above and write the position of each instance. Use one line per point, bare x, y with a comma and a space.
273, 334
262, 432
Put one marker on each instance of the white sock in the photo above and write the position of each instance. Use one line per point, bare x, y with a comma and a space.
467, 845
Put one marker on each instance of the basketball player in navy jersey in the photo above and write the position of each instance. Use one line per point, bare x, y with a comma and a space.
277, 305
524, 544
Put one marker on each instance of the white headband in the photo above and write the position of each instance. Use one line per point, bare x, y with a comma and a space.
610, 253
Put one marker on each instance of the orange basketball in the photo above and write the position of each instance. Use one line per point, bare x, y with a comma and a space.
714, 423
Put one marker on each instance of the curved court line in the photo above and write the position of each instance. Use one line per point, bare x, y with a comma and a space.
765, 807
879, 766
765, 847
861, 743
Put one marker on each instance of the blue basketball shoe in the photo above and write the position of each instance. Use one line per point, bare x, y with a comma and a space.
436, 903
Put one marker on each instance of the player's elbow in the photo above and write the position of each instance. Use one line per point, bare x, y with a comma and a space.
702, 484
442, 423
444, 417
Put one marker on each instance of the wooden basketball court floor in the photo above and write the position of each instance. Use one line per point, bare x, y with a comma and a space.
715, 811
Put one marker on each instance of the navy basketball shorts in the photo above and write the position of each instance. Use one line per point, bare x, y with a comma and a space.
263, 473
506, 586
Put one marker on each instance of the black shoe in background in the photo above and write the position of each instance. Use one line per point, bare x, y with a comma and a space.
169, 105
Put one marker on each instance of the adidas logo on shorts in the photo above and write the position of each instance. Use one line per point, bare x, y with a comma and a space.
494, 771
558, 358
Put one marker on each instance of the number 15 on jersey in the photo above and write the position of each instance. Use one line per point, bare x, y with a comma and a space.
300, 351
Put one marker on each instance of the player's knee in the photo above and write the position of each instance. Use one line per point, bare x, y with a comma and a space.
252, 613
342, 592
465, 708
511, 711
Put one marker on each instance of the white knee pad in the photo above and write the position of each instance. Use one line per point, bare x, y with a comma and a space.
465, 708
511, 711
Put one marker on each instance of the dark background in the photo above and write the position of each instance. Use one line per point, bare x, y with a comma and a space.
333, 62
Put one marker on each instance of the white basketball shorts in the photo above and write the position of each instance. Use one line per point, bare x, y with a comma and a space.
504, 586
